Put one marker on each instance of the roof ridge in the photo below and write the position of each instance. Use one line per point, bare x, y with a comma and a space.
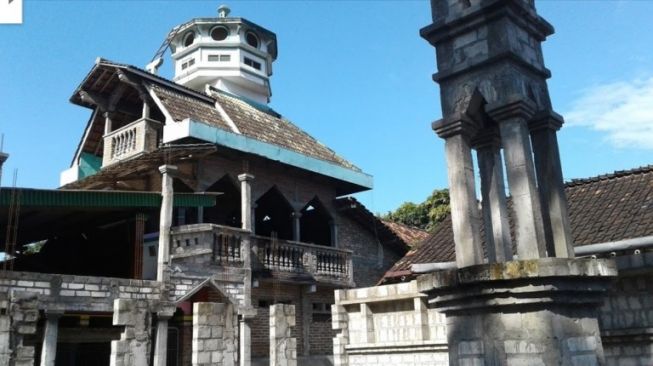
615, 174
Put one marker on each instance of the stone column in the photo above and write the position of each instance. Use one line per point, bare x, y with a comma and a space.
133, 347
283, 347
214, 338
296, 225
465, 218
340, 323
512, 118
161, 345
165, 220
495, 212
247, 218
49, 348
333, 227
107, 123
544, 127
246, 200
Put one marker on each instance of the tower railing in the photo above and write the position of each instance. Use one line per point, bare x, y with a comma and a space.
133, 139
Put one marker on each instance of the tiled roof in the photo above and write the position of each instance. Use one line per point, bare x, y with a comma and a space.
601, 209
252, 120
410, 235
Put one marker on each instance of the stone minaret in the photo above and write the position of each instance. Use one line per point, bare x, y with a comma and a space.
529, 301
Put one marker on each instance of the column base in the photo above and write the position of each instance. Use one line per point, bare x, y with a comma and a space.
532, 312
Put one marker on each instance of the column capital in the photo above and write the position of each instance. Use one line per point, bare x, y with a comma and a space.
458, 124
168, 169
547, 119
487, 139
515, 107
245, 177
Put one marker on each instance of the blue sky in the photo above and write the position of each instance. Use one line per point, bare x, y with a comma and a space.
356, 75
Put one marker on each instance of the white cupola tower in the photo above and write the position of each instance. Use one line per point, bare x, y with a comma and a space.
230, 54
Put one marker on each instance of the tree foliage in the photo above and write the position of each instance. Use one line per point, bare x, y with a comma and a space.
425, 215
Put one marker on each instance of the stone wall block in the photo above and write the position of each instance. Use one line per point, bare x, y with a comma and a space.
283, 347
215, 331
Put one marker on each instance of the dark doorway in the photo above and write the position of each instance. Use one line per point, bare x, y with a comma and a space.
83, 354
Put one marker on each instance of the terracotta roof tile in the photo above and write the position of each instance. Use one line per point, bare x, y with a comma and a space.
410, 235
601, 209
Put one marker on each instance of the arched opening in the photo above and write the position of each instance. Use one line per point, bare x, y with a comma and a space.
227, 205
314, 224
273, 215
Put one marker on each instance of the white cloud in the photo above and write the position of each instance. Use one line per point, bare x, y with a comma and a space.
622, 110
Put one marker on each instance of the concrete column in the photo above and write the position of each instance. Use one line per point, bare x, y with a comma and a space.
246, 214
296, 225
495, 212
465, 215
515, 138
544, 129
49, 349
333, 226
107, 123
165, 220
161, 345
367, 323
245, 341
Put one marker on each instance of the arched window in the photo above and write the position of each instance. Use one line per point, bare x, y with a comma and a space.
219, 33
314, 224
189, 38
273, 215
252, 39
227, 205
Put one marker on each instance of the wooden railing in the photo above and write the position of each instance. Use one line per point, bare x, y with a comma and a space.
138, 137
225, 246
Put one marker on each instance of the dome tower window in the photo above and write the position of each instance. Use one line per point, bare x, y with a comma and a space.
219, 33
252, 39
189, 38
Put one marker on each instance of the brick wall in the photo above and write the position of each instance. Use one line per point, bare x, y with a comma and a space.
626, 319
371, 260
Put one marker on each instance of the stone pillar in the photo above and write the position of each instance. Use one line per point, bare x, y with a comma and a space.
421, 319
367, 323
296, 225
107, 123
161, 342
544, 127
340, 323
49, 348
495, 213
333, 227
246, 213
537, 312
214, 334
464, 206
165, 221
512, 118
283, 347
24, 314
133, 348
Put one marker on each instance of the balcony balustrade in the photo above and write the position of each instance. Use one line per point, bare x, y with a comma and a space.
282, 258
131, 140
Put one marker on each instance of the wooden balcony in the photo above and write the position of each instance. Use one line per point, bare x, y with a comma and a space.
281, 259
134, 139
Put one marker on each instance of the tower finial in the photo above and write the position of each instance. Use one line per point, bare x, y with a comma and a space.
223, 11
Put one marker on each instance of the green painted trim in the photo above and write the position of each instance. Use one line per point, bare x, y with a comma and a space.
89, 164
99, 199
246, 144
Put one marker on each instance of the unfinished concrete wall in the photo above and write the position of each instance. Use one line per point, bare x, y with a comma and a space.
387, 325
283, 347
133, 348
215, 334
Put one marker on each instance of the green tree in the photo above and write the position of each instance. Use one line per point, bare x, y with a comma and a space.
425, 215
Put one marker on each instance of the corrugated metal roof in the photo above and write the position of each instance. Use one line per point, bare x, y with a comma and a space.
99, 199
